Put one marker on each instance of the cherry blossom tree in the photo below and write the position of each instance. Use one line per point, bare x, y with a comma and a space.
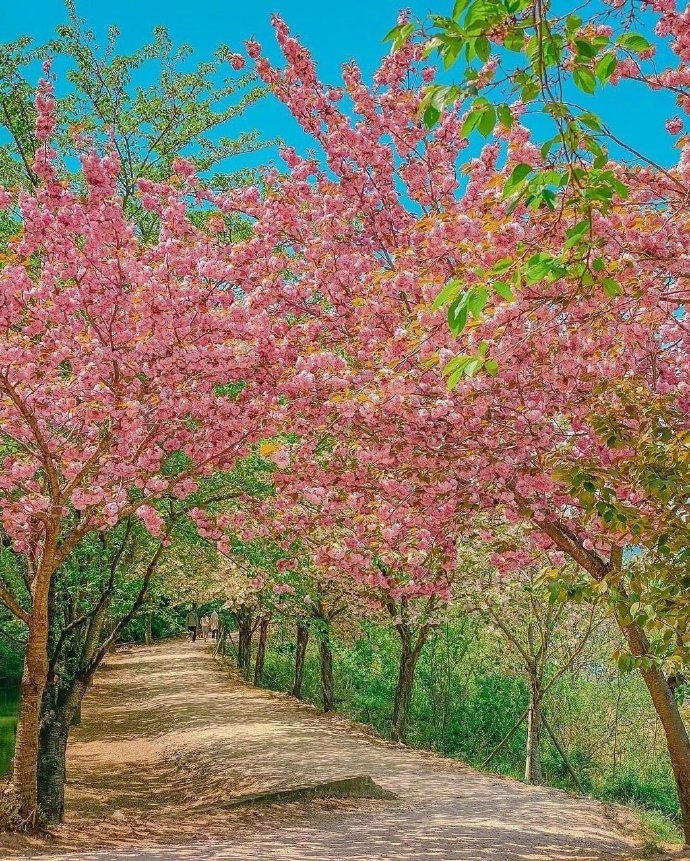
573, 352
357, 539
546, 634
127, 371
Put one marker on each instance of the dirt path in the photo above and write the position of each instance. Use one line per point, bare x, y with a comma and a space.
168, 736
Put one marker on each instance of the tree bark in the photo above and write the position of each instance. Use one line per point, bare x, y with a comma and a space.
148, 632
403, 691
244, 645
410, 650
34, 678
52, 769
533, 771
326, 654
660, 692
300, 654
261, 652
675, 730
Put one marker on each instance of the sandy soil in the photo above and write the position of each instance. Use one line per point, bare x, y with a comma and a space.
169, 737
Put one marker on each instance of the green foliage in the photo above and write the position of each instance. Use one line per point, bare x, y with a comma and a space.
467, 698
166, 621
553, 63
11, 652
659, 828
653, 792
9, 707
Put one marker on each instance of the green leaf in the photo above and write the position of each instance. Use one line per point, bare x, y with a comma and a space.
399, 35
504, 290
552, 51
502, 265
572, 23
549, 199
453, 365
538, 267
552, 177
472, 120
557, 109
620, 188
591, 120
477, 300
491, 367
505, 116
585, 49
514, 39
431, 116
530, 91
634, 42
455, 378
457, 314
626, 662
584, 79
487, 121
518, 175
451, 52
482, 47
393, 34
455, 369
473, 366
430, 46
442, 96
611, 288
546, 147
605, 67
576, 233
448, 294
458, 8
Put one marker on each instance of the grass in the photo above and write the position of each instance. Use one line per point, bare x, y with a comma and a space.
659, 828
9, 705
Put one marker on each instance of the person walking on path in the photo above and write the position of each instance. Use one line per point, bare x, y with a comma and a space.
215, 625
205, 626
192, 622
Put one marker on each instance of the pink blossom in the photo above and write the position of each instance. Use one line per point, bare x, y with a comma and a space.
253, 48
674, 126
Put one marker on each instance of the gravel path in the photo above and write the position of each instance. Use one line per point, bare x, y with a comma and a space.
168, 736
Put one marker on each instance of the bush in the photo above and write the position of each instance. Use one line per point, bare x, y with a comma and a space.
11, 662
652, 793
9, 708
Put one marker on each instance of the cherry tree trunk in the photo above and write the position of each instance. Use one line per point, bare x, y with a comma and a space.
326, 654
261, 652
300, 655
403, 692
244, 646
533, 772
34, 678
148, 632
671, 720
52, 771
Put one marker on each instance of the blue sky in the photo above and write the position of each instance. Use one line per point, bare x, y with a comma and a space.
335, 32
